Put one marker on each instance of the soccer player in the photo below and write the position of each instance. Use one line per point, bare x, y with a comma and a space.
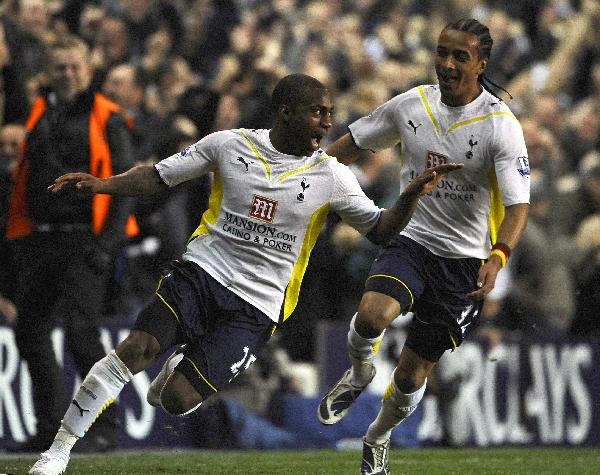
241, 273
445, 261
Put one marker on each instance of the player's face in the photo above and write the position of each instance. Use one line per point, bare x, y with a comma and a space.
70, 73
310, 121
458, 66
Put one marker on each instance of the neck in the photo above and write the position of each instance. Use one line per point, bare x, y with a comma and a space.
458, 101
280, 139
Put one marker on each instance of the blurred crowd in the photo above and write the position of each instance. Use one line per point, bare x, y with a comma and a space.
181, 69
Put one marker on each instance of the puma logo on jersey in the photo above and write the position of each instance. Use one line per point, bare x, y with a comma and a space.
305, 186
81, 410
246, 164
472, 144
415, 127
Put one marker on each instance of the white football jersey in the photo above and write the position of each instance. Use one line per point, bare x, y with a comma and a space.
266, 210
461, 216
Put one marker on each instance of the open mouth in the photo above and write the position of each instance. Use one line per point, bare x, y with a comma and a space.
447, 79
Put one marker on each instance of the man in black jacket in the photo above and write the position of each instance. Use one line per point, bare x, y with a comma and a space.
65, 246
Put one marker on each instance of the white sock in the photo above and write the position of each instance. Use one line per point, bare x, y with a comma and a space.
395, 407
362, 352
63, 441
99, 389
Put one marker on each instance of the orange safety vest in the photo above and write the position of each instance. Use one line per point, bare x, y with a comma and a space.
19, 219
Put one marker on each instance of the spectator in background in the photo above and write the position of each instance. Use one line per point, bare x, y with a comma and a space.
586, 321
174, 79
512, 48
540, 295
207, 29
11, 136
578, 197
30, 38
13, 100
548, 112
126, 85
110, 47
65, 247
163, 221
145, 17
582, 133
545, 152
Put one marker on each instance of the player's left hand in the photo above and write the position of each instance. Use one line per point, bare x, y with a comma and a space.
81, 182
430, 177
486, 280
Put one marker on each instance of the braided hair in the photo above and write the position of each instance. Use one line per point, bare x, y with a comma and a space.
484, 48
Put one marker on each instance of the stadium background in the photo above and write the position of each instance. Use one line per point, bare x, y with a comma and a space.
526, 378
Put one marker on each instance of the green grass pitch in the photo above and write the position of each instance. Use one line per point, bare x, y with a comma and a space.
327, 462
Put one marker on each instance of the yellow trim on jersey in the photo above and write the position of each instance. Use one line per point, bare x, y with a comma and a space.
201, 375
496, 208
428, 109
293, 172
412, 299
478, 119
310, 238
258, 155
211, 215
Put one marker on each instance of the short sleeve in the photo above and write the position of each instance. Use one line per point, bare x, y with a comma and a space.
350, 202
378, 130
193, 161
511, 162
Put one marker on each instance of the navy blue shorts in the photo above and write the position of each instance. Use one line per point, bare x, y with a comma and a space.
434, 288
223, 332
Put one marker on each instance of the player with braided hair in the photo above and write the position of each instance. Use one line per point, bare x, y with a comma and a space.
443, 264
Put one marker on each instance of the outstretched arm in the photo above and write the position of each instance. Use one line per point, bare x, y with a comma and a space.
139, 180
510, 232
344, 149
394, 219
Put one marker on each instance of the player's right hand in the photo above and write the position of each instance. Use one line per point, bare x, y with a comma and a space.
430, 177
83, 182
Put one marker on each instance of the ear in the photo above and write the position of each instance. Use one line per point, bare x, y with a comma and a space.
284, 112
482, 65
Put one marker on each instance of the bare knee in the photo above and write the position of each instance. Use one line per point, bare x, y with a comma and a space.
412, 371
408, 383
375, 312
138, 350
179, 396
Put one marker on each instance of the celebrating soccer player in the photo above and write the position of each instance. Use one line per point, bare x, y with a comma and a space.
442, 265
